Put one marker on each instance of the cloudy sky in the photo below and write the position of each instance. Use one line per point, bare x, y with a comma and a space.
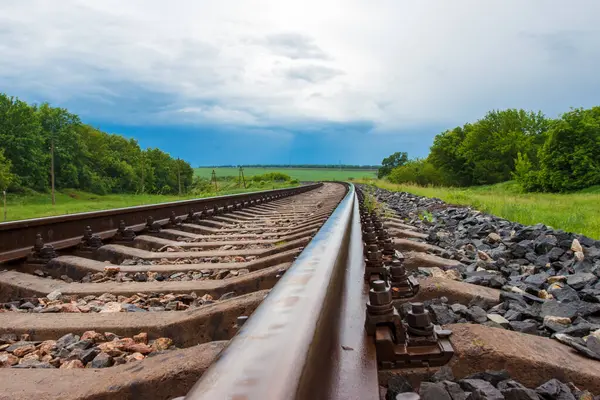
312, 81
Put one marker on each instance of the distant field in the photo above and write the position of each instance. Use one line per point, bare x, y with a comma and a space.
577, 212
302, 174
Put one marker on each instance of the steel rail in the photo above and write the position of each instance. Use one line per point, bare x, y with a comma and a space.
18, 237
306, 340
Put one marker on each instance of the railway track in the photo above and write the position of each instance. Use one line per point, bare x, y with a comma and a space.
303, 293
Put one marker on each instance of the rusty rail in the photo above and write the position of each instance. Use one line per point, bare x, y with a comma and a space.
306, 340
18, 237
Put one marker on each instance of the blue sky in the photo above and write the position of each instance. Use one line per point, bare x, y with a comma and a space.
275, 81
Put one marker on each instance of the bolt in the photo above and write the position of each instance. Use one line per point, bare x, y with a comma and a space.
397, 270
122, 226
379, 294
87, 233
378, 285
156, 227
388, 247
39, 242
149, 221
373, 253
418, 317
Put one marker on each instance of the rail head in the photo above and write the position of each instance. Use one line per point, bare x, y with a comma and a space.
285, 348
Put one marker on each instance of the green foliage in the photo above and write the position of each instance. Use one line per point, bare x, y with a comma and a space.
301, 174
85, 158
420, 172
426, 216
202, 186
570, 157
540, 154
486, 151
272, 176
525, 174
446, 157
23, 143
337, 167
6, 177
389, 163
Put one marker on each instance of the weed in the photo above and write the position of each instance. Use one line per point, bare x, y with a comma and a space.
426, 216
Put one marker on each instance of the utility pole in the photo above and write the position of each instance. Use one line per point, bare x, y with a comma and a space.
241, 178
214, 178
143, 171
179, 175
4, 194
52, 167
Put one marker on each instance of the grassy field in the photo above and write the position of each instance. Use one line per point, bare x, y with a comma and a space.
302, 174
574, 212
74, 201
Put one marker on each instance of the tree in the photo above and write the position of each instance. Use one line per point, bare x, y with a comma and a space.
84, 157
492, 144
6, 177
570, 157
446, 157
389, 163
21, 139
485, 152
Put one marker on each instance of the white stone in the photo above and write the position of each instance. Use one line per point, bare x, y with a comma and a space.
111, 306
515, 289
55, 295
499, 319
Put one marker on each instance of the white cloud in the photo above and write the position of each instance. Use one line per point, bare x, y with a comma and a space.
272, 62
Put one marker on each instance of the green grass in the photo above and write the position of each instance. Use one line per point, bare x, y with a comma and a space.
577, 212
302, 174
38, 205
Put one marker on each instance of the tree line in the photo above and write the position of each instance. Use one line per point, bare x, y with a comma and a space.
85, 158
309, 166
540, 153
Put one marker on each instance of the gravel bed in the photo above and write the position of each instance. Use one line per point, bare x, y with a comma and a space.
492, 385
55, 302
90, 350
550, 279
113, 274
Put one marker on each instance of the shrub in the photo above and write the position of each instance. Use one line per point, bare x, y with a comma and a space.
420, 172
272, 176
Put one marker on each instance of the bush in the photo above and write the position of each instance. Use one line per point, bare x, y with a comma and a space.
420, 172
272, 176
